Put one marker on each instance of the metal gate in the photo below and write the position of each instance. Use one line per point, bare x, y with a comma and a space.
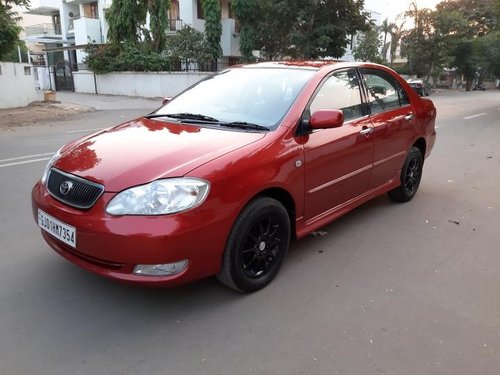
63, 77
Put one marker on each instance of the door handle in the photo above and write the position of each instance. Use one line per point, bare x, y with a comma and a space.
366, 130
409, 116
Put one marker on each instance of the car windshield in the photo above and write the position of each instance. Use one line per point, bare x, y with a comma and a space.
260, 96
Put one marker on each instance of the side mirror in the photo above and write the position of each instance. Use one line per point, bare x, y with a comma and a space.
326, 119
166, 100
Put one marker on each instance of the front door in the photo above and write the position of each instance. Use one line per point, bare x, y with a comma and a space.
338, 161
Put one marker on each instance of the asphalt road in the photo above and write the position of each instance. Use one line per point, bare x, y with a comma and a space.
391, 289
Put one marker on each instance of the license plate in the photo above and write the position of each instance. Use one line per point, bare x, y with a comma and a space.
64, 232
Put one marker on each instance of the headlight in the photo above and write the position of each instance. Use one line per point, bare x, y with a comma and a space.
49, 165
160, 197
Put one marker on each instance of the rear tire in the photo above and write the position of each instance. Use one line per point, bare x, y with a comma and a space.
410, 177
256, 246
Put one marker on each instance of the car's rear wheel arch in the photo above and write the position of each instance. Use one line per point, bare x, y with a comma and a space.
421, 145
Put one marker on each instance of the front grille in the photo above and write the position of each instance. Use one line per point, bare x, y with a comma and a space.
81, 194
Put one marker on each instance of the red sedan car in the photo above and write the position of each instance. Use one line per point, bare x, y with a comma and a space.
223, 176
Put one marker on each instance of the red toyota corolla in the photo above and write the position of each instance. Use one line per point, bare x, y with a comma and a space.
222, 177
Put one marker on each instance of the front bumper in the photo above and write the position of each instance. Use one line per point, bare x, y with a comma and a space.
112, 246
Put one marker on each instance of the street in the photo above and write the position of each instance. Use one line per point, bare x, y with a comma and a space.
390, 289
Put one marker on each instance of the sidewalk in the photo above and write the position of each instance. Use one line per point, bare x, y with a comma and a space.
104, 102
70, 103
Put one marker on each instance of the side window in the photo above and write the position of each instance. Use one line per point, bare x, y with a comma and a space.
340, 91
403, 97
384, 93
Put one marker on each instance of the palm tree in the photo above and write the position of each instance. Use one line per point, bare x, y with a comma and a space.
396, 35
386, 28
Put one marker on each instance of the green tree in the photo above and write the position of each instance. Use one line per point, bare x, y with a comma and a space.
367, 45
127, 22
488, 52
322, 27
305, 29
213, 26
9, 30
246, 10
480, 16
158, 22
13, 55
126, 19
468, 27
425, 44
189, 45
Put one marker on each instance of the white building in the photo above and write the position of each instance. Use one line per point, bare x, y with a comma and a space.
376, 17
75, 23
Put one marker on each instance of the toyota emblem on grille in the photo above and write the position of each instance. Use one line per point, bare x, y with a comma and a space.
66, 187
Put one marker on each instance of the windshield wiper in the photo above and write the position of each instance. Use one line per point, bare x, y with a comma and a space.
244, 125
184, 116
155, 115
195, 117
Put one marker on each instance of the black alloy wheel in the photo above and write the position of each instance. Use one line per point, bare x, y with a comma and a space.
256, 246
262, 245
411, 174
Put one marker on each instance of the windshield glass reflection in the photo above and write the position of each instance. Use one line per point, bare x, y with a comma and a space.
254, 95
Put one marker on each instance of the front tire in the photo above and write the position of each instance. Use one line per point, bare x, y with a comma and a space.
411, 174
256, 246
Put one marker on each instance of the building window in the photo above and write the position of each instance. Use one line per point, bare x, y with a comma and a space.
56, 21
27, 71
199, 10
90, 10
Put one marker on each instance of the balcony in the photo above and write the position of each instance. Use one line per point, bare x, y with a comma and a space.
87, 30
43, 29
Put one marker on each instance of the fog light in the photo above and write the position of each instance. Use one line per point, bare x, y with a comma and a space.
167, 269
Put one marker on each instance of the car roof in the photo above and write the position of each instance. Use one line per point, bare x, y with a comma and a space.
308, 64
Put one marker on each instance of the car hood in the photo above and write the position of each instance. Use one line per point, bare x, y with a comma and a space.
144, 150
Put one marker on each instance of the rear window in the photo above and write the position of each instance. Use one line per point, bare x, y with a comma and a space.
384, 92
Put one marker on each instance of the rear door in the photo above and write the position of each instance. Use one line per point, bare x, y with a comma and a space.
393, 121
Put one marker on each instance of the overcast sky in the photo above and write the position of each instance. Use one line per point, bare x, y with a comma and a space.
391, 8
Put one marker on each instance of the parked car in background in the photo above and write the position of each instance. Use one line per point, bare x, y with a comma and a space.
420, 86
221, 178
